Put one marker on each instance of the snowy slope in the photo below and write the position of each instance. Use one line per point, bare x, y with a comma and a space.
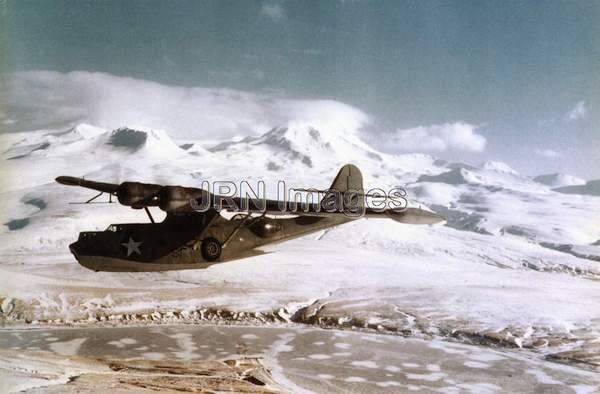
499, 266
497, 200
591, 188
558, 180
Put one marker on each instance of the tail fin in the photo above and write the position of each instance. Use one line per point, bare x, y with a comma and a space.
346, 189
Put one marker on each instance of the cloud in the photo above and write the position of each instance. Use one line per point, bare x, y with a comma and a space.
273, 11
548, 153
48, 99
458, 136
577, 112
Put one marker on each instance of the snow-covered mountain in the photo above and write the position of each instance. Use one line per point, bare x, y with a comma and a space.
498, 166
94, 141
558, 180
300, 145
143, 142
591, 188
518, 257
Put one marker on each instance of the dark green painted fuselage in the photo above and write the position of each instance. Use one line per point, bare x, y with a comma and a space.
176, 243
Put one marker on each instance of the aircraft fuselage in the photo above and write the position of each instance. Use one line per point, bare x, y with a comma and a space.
177, 242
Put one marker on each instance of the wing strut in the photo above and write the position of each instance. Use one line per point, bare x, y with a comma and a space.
95, 197
243, 222
235, 230
92, 200
149, 214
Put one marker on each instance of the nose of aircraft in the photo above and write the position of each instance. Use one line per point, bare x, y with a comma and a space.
81, 250
83, 246
74, 248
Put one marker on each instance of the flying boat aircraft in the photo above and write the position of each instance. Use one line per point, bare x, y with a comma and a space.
190, 237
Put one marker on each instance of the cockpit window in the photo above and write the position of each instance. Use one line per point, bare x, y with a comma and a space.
112, 228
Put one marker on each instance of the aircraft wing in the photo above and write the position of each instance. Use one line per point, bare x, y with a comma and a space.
99, 186
274, 207
177, 199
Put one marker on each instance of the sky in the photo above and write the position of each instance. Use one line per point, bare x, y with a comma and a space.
515, 81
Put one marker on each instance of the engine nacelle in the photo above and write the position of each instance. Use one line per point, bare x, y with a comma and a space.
138, 195
177, 198
266, 228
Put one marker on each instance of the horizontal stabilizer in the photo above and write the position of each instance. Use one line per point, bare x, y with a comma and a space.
414, 216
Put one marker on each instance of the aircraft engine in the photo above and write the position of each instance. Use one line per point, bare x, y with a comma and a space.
266, 228
138, 195
177, 198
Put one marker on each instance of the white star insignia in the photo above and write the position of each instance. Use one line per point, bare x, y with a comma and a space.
132, 246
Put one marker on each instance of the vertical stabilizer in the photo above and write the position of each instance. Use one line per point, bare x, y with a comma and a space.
346, 189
